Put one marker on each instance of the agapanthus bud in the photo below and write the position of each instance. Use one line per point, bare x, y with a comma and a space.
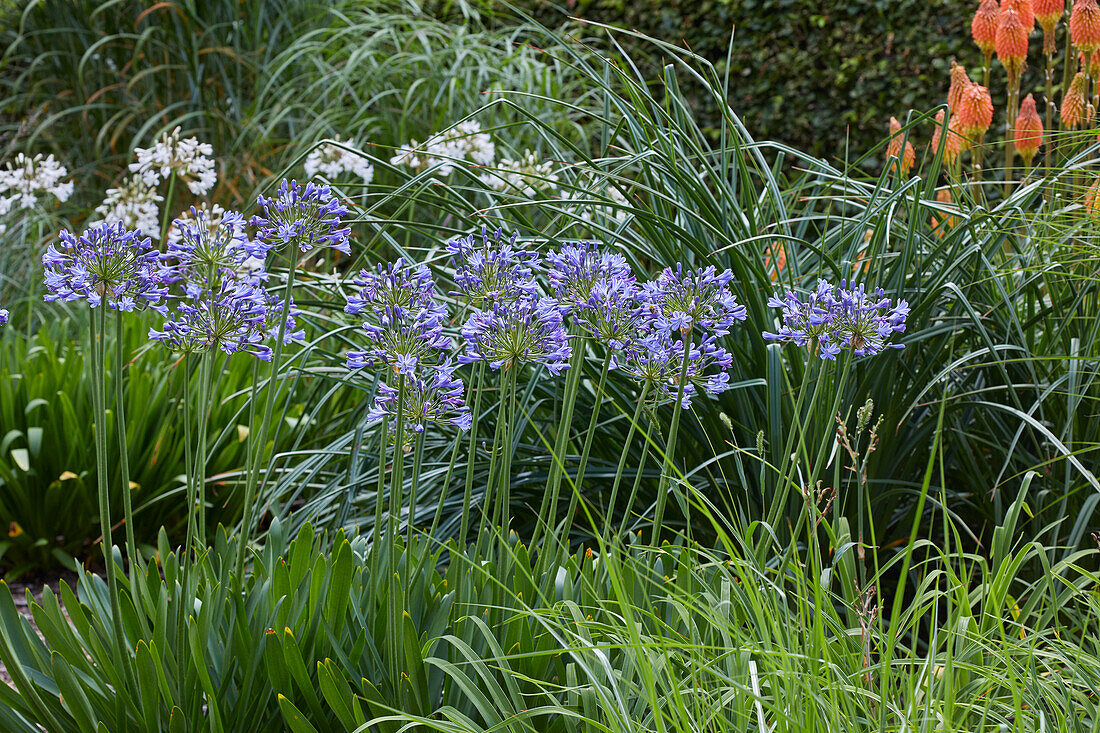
983, 28
1028, 135
1048, 13
1092, 200
894, 150
1024, 9
975, 113
1075, 108
959, 82
1011, 43
1084, 26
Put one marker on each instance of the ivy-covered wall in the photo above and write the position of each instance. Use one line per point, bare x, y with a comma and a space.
811, 73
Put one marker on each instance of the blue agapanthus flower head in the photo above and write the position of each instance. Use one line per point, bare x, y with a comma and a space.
3, 316
402, 318
526, 331
308, 217
575, 268
233, 318
432, 397
492, 270
612, 315
657, 358
106, 263
831, 320
683, 300
204, 252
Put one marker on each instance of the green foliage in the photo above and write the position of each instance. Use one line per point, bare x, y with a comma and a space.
47, 460
679, 639
257, 80
824, 78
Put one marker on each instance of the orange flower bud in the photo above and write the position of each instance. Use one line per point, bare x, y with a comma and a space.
780, 255
944, 197
1024, 9
1011, 43
1084, 25
1028, 135
1092, 200
1048, 13
955, 144
959, 82
983, 28
905, 158
975, 113
1075, 109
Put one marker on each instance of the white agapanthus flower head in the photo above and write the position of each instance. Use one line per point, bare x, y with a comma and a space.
24, 179
189, 159
135, 204
527, 176
463, 142
332, 161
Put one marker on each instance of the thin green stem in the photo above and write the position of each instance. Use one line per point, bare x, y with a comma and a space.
467, 494
260, 444
123, 454
98, 332
205, 377
634, 421
670, 446
166, 217
578, 484
549, 509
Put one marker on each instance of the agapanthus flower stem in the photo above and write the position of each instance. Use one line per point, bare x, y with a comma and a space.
778, 503
504, 495
123, 453
205, 379
167, 215
467, 494
379, 494
396, 594
670, 446
272, 386
188, 458
98, 333
593, 421
634, 421
418, 458
548, 512
647, 441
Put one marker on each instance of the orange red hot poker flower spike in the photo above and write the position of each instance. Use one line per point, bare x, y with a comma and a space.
905, 158
1028, 134
983, 28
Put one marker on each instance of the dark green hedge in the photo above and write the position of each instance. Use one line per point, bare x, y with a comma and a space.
811, 73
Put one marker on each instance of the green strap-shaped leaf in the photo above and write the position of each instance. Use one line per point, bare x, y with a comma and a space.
294, 718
